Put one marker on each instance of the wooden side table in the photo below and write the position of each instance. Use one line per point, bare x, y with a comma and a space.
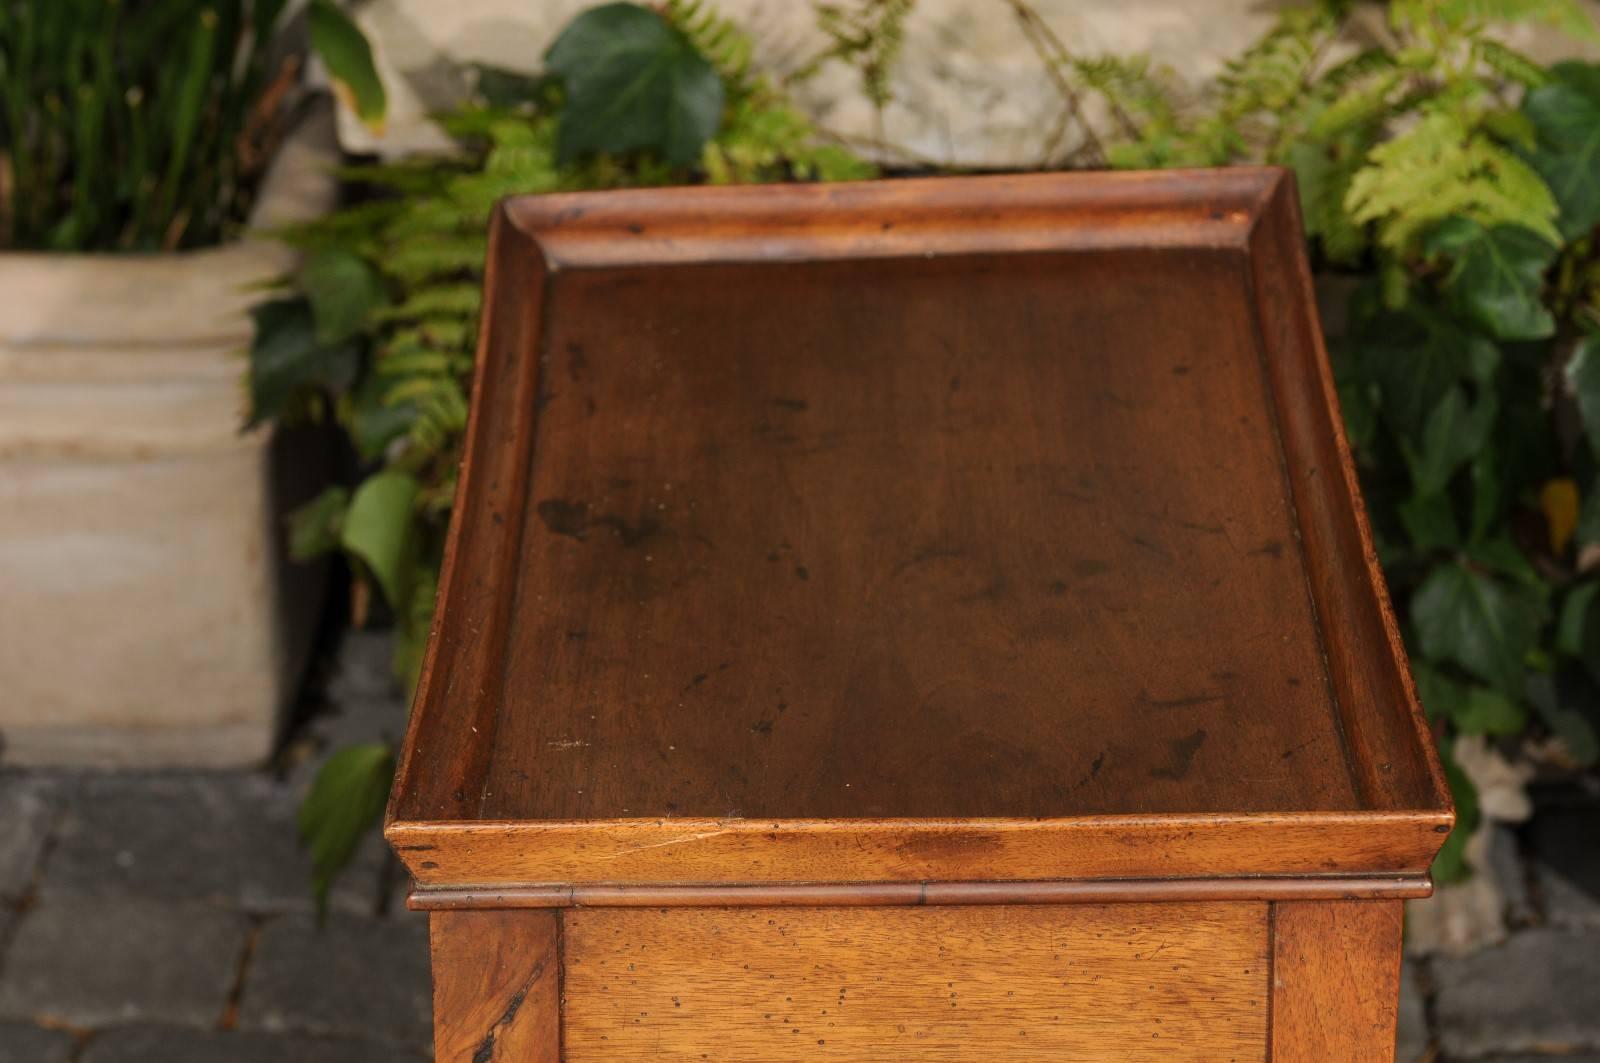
922, 620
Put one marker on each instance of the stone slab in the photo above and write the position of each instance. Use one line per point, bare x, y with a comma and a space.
26, 1043
1566, 843
228, 840
87, 963
1538, 992
351, 977
157, 1044
28, 806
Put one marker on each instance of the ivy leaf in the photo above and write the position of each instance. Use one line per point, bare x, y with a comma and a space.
1583, 378
1430, 521
344, 48
1497, 276
1454, 433
343, 290
314, 527
378, 529
1471, 708
634, 81
286, 360
345, 801
1476, 622
1565, 112
1578, 626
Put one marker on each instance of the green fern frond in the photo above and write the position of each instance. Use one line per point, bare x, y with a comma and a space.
437, 301
1443, 166
727, 47
1509, 63
1568, 16
868, 37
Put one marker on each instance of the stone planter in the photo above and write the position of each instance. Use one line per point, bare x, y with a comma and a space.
147, 616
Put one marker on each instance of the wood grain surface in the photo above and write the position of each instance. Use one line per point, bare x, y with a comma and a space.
496, 987
1335, 981
1087, 983
910, 531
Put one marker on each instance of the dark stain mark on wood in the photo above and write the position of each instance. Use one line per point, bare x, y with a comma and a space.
793, 405
1289, 753
1180, 370
577, 636
1176, 703
1269, 549
761, 727
572, 520
577, 361
802, 572
485, 1052
1090, 567
630, 534
922, 557
1145, 544
1058, 587
699, 677
1180, 755
565, 518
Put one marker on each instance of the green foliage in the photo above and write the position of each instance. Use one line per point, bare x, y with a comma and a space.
1464, 179
634, 81
867, 36
128, 126
348, 56
345, 801
121, 128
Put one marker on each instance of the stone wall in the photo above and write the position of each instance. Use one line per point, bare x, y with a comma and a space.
969, 89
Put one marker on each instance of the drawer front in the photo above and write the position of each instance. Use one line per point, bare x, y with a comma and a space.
1004, 984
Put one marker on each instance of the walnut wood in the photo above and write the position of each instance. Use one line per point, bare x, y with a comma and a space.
941, 530
875, 894
1170, 982
1335, 981
496, 987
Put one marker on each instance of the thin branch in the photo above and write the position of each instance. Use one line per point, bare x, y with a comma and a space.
1054, 55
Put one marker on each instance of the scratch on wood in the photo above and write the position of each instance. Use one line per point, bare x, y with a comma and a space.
680, 840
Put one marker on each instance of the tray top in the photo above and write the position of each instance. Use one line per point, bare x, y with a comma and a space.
959, 502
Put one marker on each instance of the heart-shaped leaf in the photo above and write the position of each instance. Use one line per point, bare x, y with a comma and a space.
1497, 276
1477, 622
1565, 112
634, 82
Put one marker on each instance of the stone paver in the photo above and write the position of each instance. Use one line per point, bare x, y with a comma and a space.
28, 806
1538, 992
1566, 843
86, 963
227, 840
156, 1044
351, 977
24, 1043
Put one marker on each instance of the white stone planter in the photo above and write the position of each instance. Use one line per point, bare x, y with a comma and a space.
146, 615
